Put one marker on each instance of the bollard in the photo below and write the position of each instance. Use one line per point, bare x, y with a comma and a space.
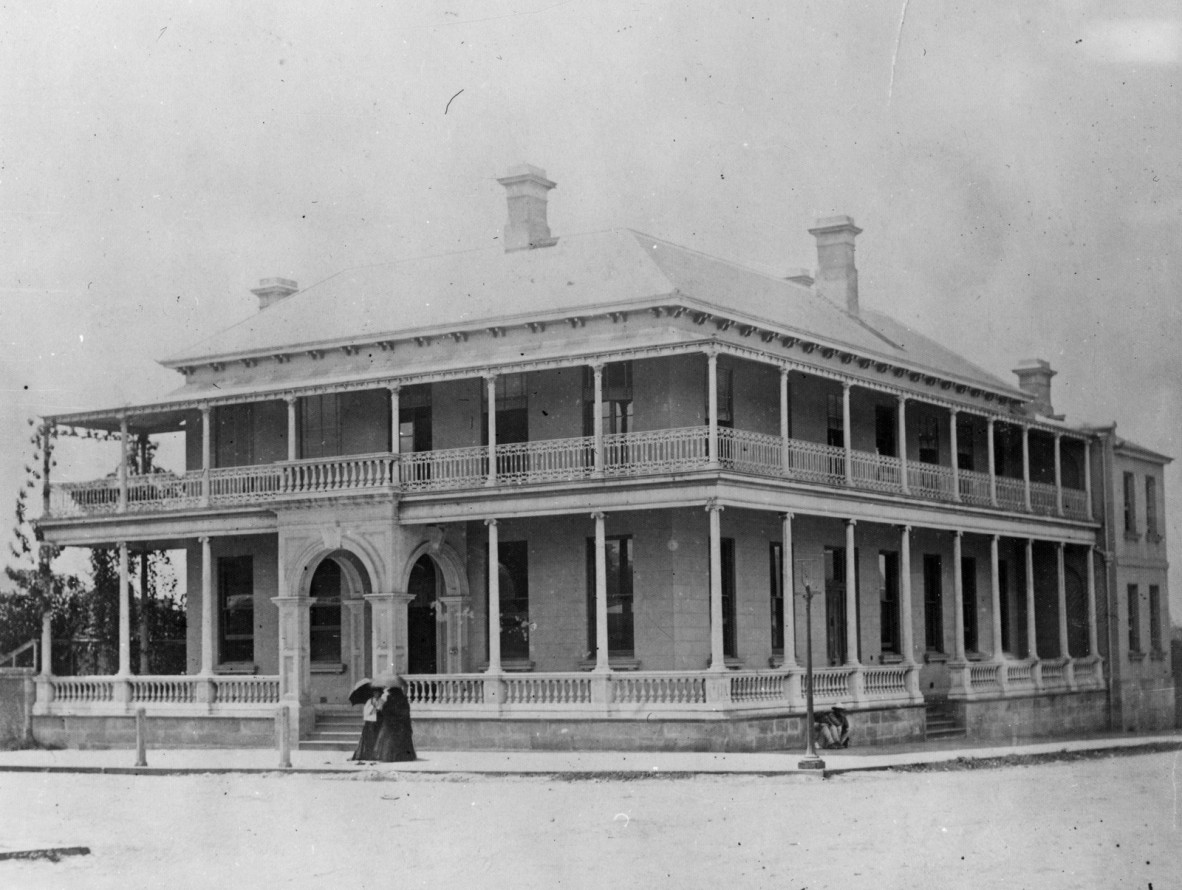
141, 753
283, 737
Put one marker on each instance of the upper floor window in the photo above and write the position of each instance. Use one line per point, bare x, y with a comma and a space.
964, 443
725, 390
885, 426
414, 419
1151, 529
254, 433
512, 397
1130, 491
616, 406
929, 439
835, 413
340, 423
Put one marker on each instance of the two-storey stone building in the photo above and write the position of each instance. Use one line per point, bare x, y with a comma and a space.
574, 488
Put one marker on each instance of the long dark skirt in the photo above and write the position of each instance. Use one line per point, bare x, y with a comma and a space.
368, 742
395, 736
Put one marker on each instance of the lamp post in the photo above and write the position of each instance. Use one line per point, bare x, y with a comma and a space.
811, 760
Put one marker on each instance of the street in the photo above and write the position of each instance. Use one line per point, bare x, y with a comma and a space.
1105, 823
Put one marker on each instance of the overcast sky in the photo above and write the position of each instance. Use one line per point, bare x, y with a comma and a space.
1015, 167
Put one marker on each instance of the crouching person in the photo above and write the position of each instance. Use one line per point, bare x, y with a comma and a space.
833, 728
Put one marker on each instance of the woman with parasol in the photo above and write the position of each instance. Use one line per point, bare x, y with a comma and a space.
395, 736
365, 692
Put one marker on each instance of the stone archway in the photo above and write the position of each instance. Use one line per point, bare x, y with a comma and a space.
339, 626
436, 617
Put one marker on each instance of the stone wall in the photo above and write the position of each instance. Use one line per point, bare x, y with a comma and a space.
1039, 716
160, 732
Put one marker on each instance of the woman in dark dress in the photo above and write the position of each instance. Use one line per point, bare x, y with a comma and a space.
395, 736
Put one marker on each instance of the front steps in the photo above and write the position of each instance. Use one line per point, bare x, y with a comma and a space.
336, 729
942, 722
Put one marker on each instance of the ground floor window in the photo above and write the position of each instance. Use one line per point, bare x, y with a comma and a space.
968, 590
835, 613
1134, 619
236, 604
729, 647
618, 564
1003, 593
933, 603
888, 597
513, 574
1155, 637
324, 620
776, 586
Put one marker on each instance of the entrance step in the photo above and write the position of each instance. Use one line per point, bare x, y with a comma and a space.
334, 730
942, 722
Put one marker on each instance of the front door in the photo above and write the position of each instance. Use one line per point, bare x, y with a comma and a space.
422, 626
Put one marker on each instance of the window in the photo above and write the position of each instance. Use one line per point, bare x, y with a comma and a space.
1155, 637
324, 618
320, 426
414, 419
512, 397
964, 442
836, 419
1003, 590
236, 605
885, 426
776, 586
513, 581
618, 565
929, 439
233, 427
725, 389
968, 589
1151, 531
835, 613
616, 407
727, 548
888, 599
1134, 619
1130, 504
344, 423
933, 603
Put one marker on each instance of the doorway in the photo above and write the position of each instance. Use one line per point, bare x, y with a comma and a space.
421, 618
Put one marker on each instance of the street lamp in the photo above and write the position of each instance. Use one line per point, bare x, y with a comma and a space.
808, 571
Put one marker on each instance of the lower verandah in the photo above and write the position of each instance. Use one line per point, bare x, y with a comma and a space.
683, 638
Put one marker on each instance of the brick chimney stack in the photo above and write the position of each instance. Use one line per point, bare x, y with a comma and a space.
1034, 377
271, 290
837, 277
526, 187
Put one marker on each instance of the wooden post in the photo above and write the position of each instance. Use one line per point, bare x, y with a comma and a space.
283, 736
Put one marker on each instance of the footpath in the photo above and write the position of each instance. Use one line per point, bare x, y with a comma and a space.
583, 764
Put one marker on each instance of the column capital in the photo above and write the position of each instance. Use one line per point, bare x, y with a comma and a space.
291, 400
204, 539
490, 376
205, 408
902, 398
713, 504
122, 545
958, 532
846, 385
788, 516
785, 370
990, 420
599, 514
850, 522
953, 411
490, 522
711, 351
597, 367
996, 538
905, 528
394, 388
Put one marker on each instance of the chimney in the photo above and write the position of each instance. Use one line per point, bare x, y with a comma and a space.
271, 290
837, 278
1034, 377
526, 187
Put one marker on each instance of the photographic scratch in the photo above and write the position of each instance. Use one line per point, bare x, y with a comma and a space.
895, 54
449, 101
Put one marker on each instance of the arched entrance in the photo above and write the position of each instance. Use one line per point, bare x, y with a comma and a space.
339, 626
422, 617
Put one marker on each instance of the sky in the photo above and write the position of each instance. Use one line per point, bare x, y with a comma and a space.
1015, 168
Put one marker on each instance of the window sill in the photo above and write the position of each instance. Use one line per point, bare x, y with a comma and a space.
1132, 536
975, 656
1136, 656
936, 657
511, 666
1157, 654
326, 667
1154, 538
891, 658
616, 663
237, 667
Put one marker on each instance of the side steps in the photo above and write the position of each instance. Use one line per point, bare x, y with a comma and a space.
942, 722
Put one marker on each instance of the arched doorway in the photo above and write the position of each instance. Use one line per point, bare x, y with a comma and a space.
422, 612
339, 626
